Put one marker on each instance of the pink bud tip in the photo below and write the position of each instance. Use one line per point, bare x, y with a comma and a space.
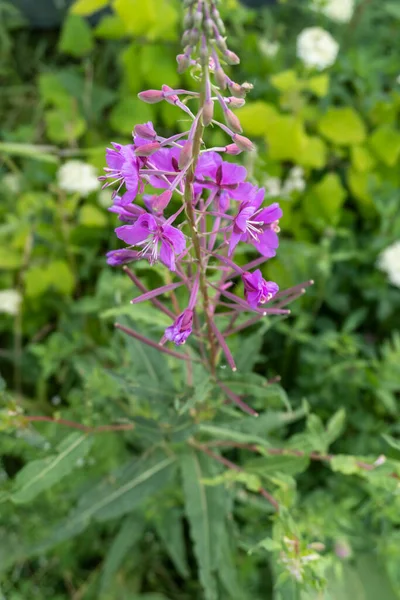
186, 155
233, 149
145, 131
208, 112
232, 121
147, 149
151, 96
231, 58
243, 142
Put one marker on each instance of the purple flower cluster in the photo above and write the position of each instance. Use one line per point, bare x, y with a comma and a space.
186, 206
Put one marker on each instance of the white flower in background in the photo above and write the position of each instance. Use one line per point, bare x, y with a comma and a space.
105, 198
317, 48
273, 186
389, 263
269, 49
12, 182
337, 10
78, 176
295, 181
10, 302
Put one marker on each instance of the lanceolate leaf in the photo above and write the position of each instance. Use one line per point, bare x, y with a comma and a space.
205, 508
119, 495
169, 527
40, 475
129, 534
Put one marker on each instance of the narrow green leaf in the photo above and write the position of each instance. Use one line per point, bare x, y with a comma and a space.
169, 527
205, 508
42, 474
129, 534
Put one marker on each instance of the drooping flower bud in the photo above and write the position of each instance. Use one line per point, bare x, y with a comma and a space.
209, 27
186, 154
220, 78
148, 149
235, 102
166, 92
145, 131
233, 149
194, 36
231, 58
208, 112
151, 96
232, 121
257, 290
115, 258
243, 142
180, 330
237, 90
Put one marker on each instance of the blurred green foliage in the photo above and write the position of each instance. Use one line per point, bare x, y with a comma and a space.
144, 513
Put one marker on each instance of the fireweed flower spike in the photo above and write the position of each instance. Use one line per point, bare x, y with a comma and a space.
204, 209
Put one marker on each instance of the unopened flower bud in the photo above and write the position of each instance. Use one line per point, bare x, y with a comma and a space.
231, 58
233, 149
145, 131
247, 87
232, 121
170, 98
220, 24
185, 37
188, 20
194, 37
220, 78
151, 96
235, 102
186, 155
208, 112
147, 149
243, 142
221, 44
204, 56
209, 27
183, 62
198, 18
237, 90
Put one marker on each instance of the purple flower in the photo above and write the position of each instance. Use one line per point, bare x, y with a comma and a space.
220, 176
181, 328
147, 232
257, 290
122, 168
121, 257
257, 226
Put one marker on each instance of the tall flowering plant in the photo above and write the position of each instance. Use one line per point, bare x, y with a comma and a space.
218, 210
